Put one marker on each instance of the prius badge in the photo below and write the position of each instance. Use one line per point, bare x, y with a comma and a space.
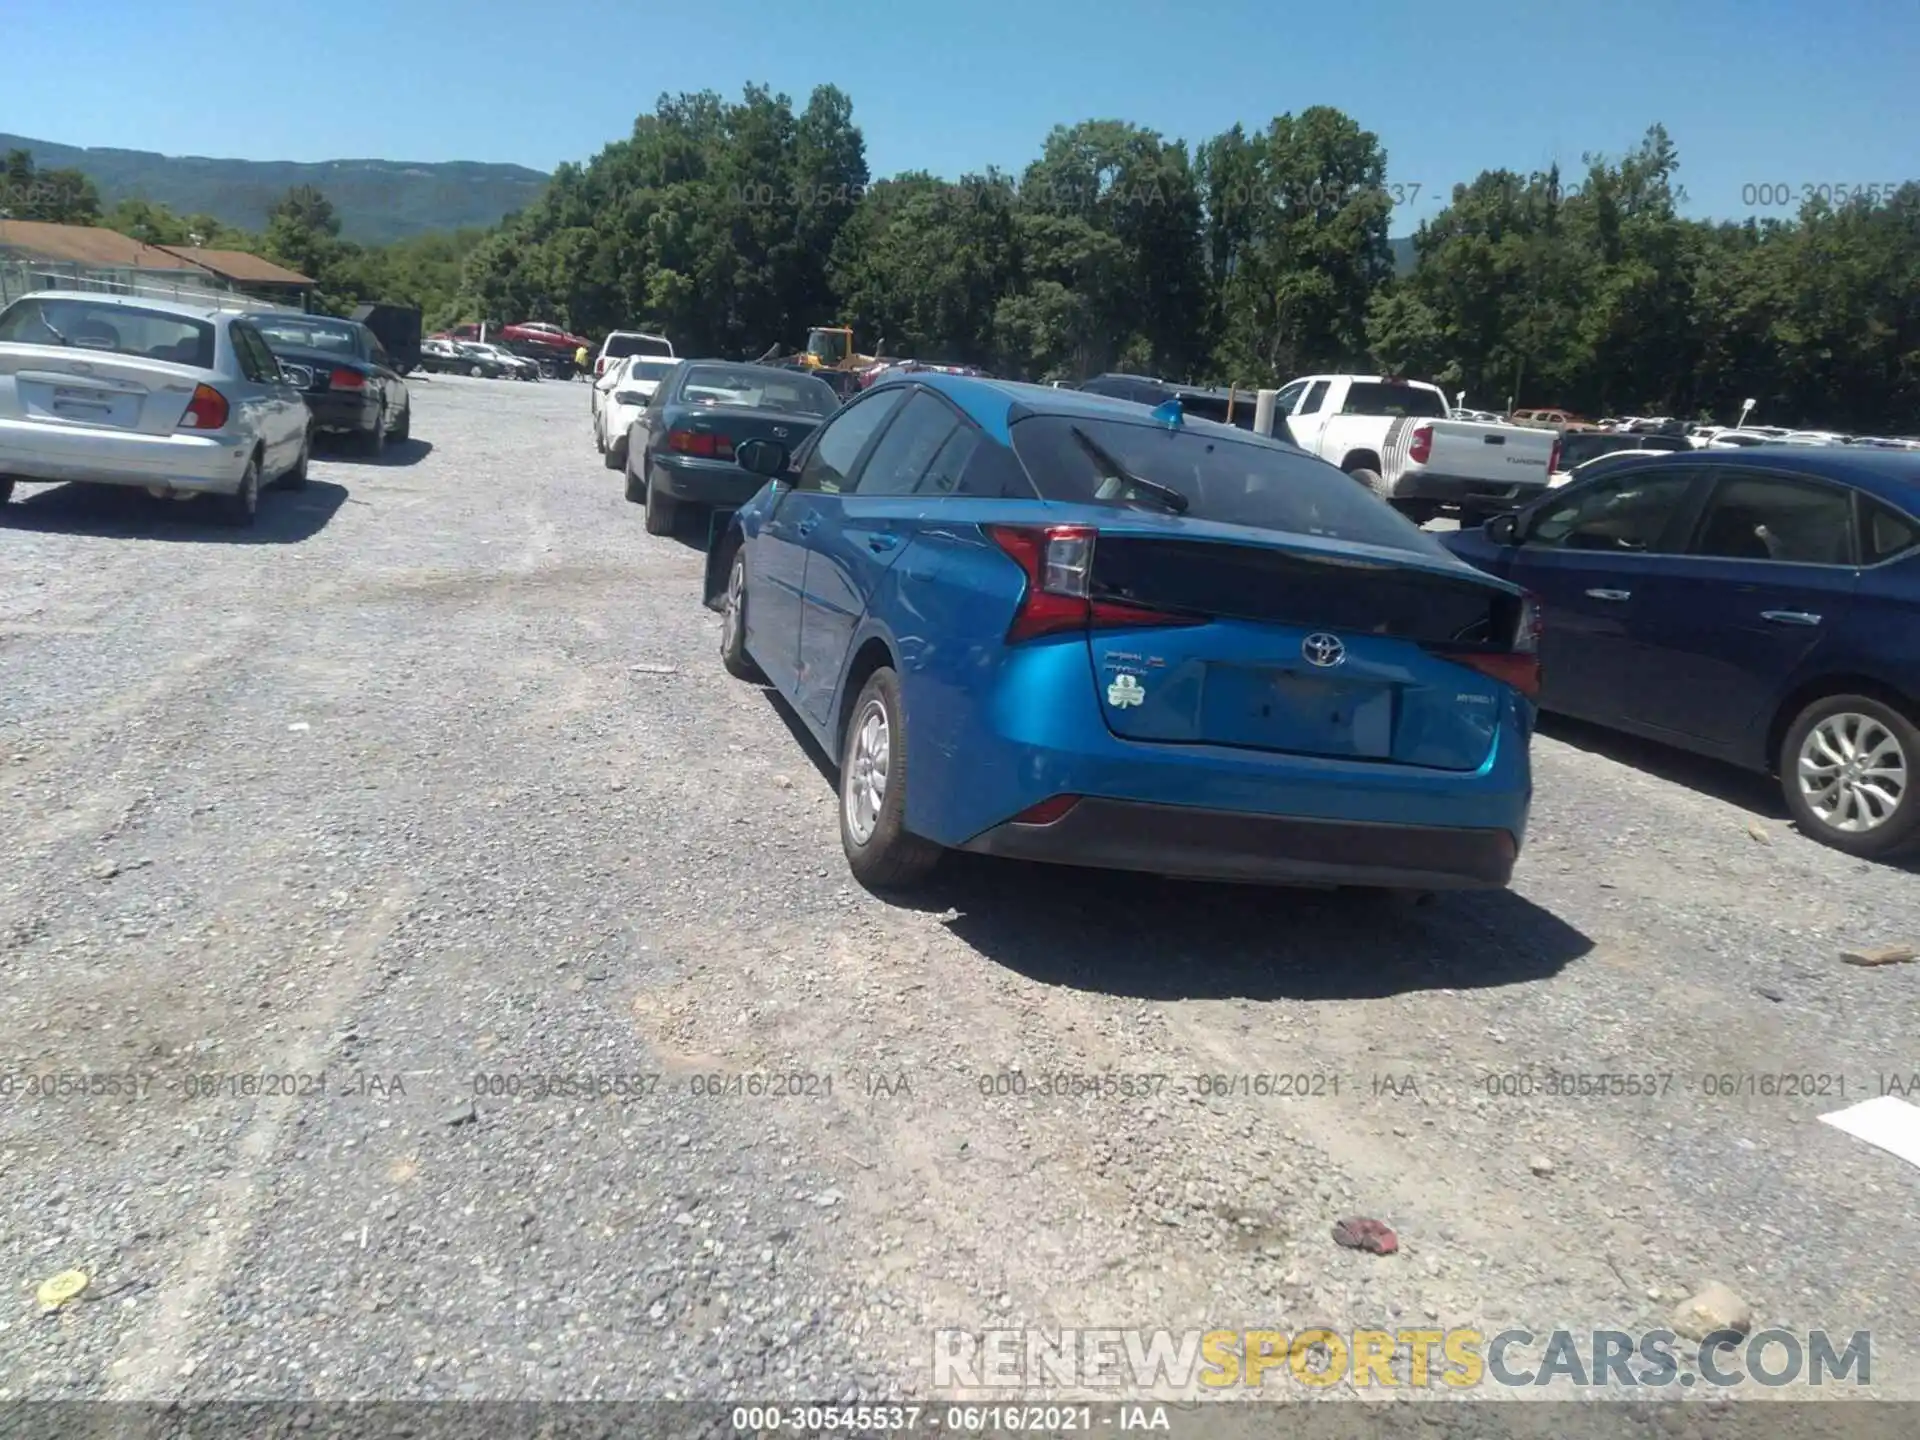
1323, 649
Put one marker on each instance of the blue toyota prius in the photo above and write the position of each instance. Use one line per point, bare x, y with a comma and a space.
1045, 624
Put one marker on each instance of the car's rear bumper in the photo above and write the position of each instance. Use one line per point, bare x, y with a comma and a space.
1233, 845
181, 461
1459, 490
704, 482
344, 414
982, 753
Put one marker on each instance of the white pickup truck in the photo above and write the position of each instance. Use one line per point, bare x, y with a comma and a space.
1399, 438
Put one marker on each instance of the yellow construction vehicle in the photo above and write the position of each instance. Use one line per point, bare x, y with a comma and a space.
829, 347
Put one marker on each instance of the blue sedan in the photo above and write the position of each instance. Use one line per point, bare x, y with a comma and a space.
1760, 606
1051, 625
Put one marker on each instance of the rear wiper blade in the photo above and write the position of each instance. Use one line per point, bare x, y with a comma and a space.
1165, 494
48, 324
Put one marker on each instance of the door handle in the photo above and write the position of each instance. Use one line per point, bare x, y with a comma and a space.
878, 543
1609, 594
1789, 617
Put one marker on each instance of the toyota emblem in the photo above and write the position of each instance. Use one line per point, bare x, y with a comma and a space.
1323, 649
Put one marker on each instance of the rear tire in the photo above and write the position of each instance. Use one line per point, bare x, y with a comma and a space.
636, 487
1823, 742
663, 513
6, 491
241, 508
616, 455
881, 852
733, 623
404, 430
1374, 481
374, 442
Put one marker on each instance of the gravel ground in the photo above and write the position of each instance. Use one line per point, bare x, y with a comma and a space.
436, 776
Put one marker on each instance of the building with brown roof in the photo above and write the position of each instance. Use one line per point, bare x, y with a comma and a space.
37, 254
249, 273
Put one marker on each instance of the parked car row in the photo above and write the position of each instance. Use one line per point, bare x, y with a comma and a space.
1047, 623
183, 400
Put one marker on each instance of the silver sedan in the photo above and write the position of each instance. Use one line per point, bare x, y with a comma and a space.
172, 397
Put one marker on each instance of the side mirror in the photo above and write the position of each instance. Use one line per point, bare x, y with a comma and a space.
1504, 529
762, 457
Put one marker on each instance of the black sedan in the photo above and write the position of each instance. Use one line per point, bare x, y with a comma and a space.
349, 381
680, 451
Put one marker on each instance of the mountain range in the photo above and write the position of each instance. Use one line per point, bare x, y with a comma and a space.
378, 201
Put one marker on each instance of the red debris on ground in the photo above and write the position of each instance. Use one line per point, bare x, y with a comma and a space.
1360, 1233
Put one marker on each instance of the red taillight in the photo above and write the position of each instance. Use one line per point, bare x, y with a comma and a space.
1520, 666
207, 410
1421, 450
1553, 460
346, 380
600, 366
700, 443
1057, 561
1047, 811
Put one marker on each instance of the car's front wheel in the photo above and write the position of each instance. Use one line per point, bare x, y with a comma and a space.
882, 853
733, 623
6, 491
1848, 771
242, 507
296, 478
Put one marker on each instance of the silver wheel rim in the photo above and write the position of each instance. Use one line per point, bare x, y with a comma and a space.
1852, 772
864, 791
736, 596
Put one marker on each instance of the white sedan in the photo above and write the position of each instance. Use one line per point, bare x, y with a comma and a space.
618, 398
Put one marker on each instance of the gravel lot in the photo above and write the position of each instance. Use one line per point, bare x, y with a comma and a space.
436, 775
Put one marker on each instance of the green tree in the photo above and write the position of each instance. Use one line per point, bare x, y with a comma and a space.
63, 197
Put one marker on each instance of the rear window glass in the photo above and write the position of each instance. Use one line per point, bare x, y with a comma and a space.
1889, 533
649, 368
1578, 449
1219, 476
307, 332
621, 346
1377, 398
757, 388
115, 329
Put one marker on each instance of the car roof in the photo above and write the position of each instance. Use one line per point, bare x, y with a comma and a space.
1890, 474
995, 405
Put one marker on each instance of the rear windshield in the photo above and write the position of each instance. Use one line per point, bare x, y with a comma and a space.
116, 329
757, 388
621, 346
308, 332
1578, 449
1379, 398
1219, 476
648, 368
1215, 408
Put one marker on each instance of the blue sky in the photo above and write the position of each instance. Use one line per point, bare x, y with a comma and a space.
1777, 93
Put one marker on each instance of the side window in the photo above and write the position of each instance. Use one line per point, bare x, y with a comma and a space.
945, 475
993, 472
839, 444
1773, 517
908, 447
1885, 532
1284, 402
1631, 514
256, 359
1315, 398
